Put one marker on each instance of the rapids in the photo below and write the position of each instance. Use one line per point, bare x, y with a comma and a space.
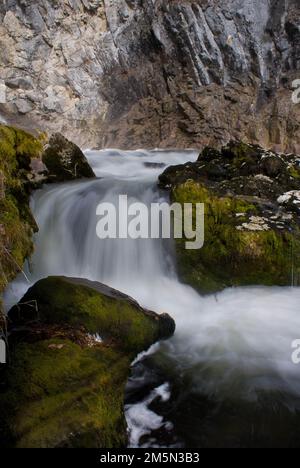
226, 378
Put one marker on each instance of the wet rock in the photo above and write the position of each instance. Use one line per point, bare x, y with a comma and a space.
100, 312
65, 160
252, 224
152, 165
272, 166
239, 168
291, 201
77, 379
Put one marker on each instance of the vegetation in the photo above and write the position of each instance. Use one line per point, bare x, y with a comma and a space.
64, 388
62, 395
60, 300
17, 149
233, 257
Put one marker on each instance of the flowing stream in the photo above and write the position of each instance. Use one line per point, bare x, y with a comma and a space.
226, 378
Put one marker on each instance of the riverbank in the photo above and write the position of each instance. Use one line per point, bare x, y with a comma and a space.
63, 385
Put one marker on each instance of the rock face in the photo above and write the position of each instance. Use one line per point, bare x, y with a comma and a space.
252, 207
71, 345
134, 73
65, 160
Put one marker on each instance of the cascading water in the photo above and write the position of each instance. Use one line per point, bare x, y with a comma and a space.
226, 378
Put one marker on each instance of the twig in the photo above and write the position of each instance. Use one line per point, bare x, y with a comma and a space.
16, 263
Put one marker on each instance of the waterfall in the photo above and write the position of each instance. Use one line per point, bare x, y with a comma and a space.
230, 359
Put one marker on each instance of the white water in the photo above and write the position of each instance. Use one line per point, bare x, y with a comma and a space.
230, 346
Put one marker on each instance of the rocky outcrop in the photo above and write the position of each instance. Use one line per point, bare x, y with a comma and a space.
21, 171
65, 160
71, 345
252, 207
166, 73
18, 151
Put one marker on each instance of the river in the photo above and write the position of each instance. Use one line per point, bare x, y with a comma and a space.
226, 378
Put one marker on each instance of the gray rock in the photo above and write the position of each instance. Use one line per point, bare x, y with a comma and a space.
23, 106
20, 82
160, 73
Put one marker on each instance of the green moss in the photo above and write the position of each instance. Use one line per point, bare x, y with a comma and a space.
294, 172
17, 148
239, 151
231, 257
63, 389
62, 301
64, 396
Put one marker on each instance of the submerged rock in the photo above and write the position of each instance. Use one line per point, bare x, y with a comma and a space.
252, 224
71, 345
65, 160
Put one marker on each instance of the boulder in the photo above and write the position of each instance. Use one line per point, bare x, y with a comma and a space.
65, 160
252, 224
71, 345
101, 309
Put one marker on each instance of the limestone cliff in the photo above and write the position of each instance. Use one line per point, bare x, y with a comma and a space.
150, 73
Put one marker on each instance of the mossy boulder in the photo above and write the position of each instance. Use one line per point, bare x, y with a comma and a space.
17, 150
64, 385
102, 310
60, 394
65, 160
241, 168
252, 232
242, 246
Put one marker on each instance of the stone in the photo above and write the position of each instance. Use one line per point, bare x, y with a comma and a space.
23, 106
20, 82
76, 392
272, 165
65, 160
251, 221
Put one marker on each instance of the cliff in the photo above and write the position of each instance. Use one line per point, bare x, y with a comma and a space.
134, 73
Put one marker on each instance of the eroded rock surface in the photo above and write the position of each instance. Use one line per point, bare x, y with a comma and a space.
133, 73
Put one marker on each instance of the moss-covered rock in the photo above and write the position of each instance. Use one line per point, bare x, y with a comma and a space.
252, 234
65, 387
242, 247
17, 150
101, 309
65, 160
59, 394
239, 169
